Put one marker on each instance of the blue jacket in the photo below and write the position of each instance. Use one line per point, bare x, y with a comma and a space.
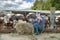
40, 24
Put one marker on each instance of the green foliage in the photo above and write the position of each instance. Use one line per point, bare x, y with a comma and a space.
40, 5
47, 5
37, 5
56, 4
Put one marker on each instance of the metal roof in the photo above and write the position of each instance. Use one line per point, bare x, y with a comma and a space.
41, 11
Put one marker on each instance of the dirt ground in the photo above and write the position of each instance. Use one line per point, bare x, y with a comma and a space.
43, 36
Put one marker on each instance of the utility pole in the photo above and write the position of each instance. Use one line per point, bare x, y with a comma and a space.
52, 18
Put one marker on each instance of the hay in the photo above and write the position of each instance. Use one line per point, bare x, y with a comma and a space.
22, 27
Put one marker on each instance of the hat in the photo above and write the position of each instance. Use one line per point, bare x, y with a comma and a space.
37, 12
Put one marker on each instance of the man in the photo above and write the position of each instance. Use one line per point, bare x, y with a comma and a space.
38, 24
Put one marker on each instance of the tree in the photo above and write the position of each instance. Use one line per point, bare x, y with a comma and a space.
40, 5
56, 4
47, 5
37, 5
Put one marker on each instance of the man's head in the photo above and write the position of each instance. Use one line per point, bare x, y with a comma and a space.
38, 14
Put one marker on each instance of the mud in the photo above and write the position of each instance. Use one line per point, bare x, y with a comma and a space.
43, 36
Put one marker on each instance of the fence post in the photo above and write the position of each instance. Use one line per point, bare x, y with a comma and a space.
52, 17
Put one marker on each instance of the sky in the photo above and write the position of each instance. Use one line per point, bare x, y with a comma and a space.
16, 4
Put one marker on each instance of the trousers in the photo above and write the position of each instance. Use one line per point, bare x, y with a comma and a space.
38, 28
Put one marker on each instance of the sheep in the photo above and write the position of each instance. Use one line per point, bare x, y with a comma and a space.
19, 17
23, 27
30, 17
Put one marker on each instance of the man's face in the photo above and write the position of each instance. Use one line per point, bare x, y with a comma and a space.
37, 15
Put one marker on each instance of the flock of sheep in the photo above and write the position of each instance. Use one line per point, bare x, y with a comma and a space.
18, 21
